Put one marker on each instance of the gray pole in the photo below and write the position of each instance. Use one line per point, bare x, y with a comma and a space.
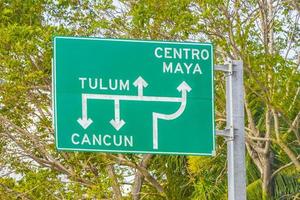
235, 123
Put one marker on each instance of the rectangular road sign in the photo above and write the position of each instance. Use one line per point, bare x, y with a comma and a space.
133, 96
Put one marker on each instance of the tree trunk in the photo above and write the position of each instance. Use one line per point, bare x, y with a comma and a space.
267, 185
139, 177
267, 160
115, 185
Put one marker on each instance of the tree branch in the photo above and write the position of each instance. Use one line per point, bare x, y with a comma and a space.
285, 148
283, 167
143, 170
139, 177
115, 185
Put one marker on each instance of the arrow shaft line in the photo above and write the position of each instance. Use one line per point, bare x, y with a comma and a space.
172, 116
177, 113
131, 98
84, 107
117, 110
140, 90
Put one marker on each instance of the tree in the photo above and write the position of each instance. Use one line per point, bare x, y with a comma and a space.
264, 34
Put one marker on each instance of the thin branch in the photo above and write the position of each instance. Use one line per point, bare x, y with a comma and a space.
115, 185
139, 177
282, 168
285, 148
268, 130
250, 118
143, 170
259, 138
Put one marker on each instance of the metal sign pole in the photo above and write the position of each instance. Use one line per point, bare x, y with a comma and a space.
234, 132
236, 146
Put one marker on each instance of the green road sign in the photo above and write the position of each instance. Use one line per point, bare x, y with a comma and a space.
133, 96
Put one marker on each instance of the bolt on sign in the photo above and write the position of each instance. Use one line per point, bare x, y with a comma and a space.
133, 96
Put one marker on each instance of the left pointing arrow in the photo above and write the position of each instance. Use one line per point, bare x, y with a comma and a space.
85, 122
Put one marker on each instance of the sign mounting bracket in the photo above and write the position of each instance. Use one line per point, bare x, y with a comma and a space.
228, 132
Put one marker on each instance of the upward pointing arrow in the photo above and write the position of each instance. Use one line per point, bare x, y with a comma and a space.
184, 87
140, 83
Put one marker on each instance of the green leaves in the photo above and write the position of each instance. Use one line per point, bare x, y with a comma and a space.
209, 175
162, 19
234, 27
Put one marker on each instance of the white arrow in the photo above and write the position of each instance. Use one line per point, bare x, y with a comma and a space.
140, 83
84, 121
117, 123
183, 88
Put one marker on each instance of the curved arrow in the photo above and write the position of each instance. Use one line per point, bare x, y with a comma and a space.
183, 88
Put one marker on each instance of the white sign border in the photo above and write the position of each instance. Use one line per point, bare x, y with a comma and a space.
54, 98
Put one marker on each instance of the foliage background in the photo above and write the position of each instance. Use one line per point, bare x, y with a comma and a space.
262, 33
